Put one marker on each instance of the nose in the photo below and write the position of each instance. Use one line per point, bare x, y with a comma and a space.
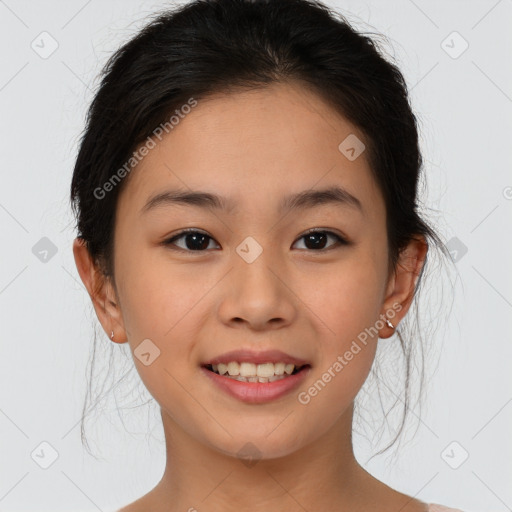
258, 295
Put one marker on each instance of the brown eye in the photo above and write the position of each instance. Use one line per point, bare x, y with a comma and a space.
193, 240
317, 240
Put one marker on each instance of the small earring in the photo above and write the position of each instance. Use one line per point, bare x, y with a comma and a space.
389, 324
112, 335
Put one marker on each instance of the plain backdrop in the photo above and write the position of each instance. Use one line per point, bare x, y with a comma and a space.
455, 56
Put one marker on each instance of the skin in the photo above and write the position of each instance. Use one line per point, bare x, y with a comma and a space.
254, 147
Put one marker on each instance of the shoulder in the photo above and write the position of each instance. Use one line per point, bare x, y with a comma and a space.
140, 505
126, 508
434, 507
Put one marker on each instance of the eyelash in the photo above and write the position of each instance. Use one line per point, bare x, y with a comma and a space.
340, 240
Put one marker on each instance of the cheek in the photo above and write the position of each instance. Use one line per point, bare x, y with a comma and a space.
346, 299
157, 296
165, 308
159, 307
347, 307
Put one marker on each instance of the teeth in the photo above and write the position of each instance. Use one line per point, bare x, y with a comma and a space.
233, 368
279, 368
247, 369
251, 372
289, 368
257, 379
265, 370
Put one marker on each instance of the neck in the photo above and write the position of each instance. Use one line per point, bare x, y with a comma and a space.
322, 474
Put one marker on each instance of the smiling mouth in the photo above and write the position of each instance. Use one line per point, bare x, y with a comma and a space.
267, 372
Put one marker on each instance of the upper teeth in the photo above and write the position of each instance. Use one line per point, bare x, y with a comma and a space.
253, 370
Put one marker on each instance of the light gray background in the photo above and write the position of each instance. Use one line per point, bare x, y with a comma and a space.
464, 105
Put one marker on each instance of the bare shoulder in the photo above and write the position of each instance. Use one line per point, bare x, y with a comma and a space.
406, 503
132, 507
379, 496
141, 505
128, 508
434, 507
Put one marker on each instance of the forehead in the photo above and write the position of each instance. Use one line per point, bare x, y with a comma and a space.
260, 144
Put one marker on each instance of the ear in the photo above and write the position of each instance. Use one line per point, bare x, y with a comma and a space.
101, 291
402, 283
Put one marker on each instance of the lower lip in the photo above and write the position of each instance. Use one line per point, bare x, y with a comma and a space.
257, 392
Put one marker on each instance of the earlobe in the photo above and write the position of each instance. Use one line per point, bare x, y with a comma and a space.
100, 291
389, 321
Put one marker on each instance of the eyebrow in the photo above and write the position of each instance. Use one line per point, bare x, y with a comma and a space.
303, 200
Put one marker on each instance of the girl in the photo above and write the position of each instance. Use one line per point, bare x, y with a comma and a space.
245, 194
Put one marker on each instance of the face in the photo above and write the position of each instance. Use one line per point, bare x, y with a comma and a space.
249, 276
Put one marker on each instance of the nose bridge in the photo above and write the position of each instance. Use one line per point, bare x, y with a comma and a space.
256, 266
257, 293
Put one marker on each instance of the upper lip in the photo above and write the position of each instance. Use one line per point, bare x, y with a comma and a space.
256, 357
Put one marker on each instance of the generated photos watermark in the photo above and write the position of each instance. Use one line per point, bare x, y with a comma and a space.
304, 397
144, 149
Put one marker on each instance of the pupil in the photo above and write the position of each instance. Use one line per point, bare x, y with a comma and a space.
202, 244
315, 245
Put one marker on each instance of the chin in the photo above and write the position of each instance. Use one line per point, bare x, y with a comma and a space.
251, 447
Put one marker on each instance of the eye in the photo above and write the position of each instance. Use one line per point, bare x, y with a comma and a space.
198, 241
316, 239
194, 240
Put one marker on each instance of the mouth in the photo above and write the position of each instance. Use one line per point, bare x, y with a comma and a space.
256, 383
256, 373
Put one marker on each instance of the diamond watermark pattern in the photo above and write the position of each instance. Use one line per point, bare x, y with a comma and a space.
454, 455
44, 45
352, 147
249, 249
146, 352
44, 455
454, 45
456, 248
249, 454
44, 250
